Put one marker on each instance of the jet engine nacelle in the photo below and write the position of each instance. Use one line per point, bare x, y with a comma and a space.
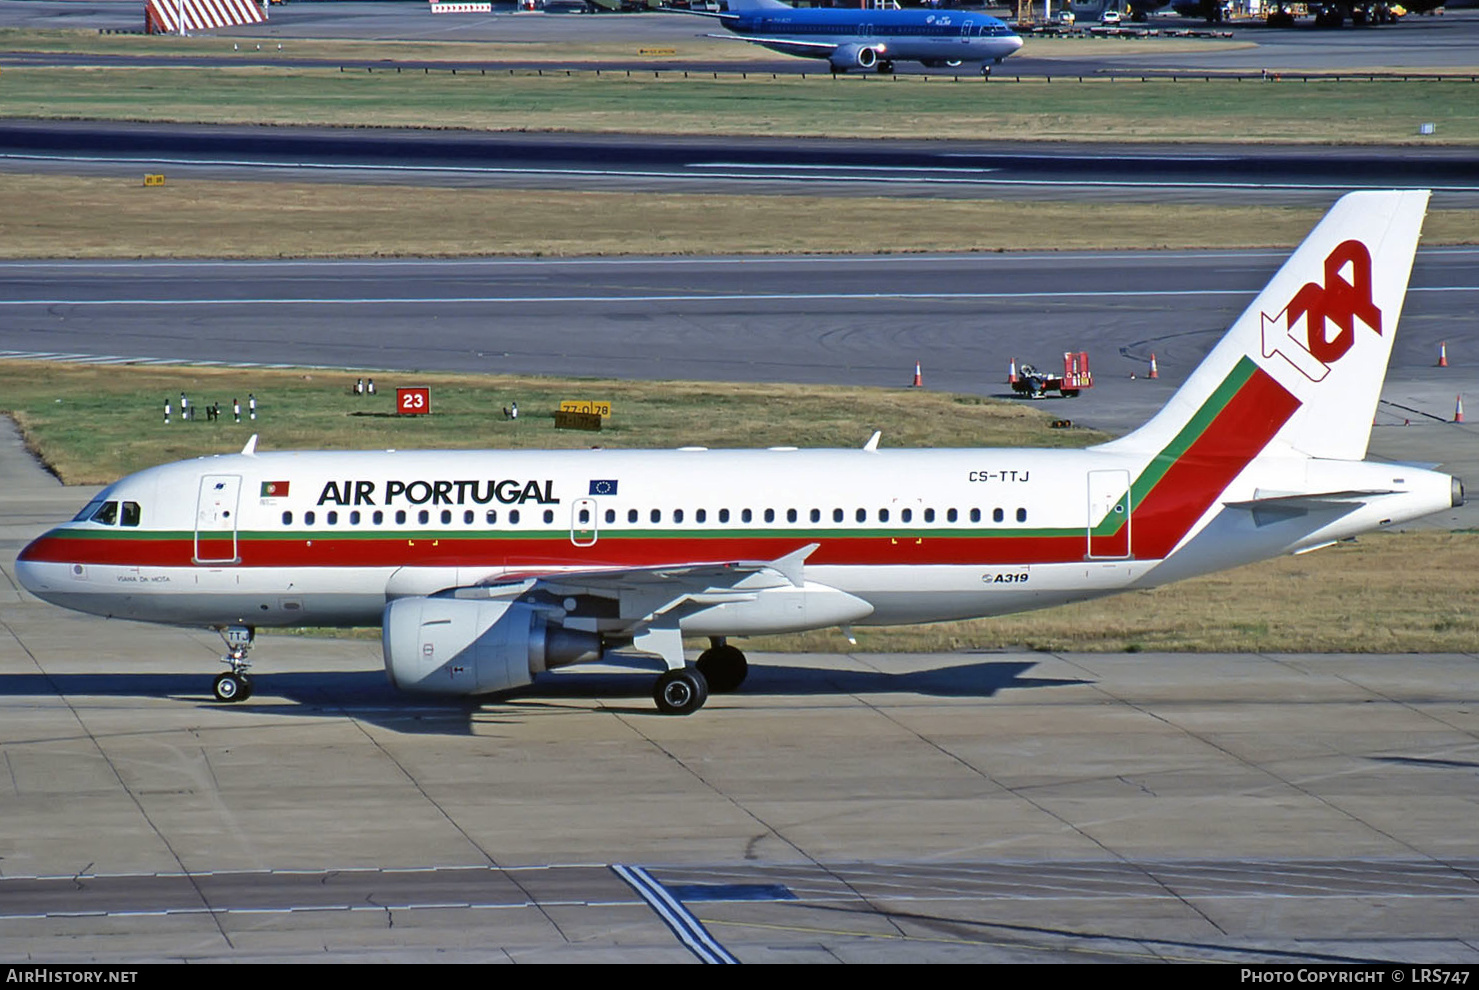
854, 57
459, 646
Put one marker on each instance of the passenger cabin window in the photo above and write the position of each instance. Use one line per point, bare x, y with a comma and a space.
677, 515
746, 515
513, 517
611, 515
837, 515
423, 517
770, 515
354, 517
549, 516
468, 517
400, 517
700, 515
724, 515
446, 516
287, 518
997, 516
379, 517
975, 515
332, 518
656, 515
492, 517
1021, 515
308, 518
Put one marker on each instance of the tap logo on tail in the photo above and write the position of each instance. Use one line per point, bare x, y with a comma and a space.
1300, 334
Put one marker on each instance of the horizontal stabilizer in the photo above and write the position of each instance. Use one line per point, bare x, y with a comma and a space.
1309, 500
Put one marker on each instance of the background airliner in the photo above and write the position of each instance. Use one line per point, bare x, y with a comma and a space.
486, 568
870, 39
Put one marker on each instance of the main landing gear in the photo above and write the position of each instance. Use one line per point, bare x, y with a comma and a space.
723, 666
235, 684
683, 690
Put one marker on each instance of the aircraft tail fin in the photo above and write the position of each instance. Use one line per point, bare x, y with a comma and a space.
1305, 362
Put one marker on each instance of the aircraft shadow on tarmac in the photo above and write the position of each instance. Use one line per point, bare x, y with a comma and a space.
367, 695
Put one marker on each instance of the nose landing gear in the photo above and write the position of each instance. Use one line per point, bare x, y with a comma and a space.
235, 685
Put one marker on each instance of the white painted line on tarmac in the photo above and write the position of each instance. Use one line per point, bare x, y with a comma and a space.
689, 929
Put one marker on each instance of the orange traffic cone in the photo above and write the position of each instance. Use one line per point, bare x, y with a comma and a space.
1012, 372
918, 378
1443, 354
1154, 371
1458, 410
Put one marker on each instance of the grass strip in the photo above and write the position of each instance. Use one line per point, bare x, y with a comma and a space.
92, 424
902, 106
92, 217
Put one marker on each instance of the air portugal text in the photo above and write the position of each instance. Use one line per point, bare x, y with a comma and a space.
509, 491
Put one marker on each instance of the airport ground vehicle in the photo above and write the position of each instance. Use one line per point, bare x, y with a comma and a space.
1075, 377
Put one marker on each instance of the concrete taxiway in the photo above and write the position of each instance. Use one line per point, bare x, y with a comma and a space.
955, 807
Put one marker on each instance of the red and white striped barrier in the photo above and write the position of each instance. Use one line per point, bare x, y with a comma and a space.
163, 16
461, 8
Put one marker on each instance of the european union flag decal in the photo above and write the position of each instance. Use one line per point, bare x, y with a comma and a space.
607, 487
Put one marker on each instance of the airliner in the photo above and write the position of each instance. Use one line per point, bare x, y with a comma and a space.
869, 39
485, 569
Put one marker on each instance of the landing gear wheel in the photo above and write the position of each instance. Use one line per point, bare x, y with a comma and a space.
681, 692
231, 687
724, 667
885, 67
985, 71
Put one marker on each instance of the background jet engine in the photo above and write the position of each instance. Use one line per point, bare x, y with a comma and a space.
458, 646
853, 57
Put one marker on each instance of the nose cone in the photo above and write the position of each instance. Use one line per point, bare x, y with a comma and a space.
1016, 42
35, 572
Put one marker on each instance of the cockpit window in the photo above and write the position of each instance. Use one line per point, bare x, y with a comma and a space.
130, 514
107, 514
87, 510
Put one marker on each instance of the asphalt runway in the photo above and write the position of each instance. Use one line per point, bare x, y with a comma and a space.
970, 807
1147, 173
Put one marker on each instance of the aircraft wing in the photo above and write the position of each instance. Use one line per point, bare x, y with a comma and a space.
721, 15
808, 47
643, 603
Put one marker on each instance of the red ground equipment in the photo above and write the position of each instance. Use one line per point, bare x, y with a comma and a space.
1036, 384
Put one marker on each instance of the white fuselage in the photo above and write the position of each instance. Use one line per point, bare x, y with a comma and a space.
902, 535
